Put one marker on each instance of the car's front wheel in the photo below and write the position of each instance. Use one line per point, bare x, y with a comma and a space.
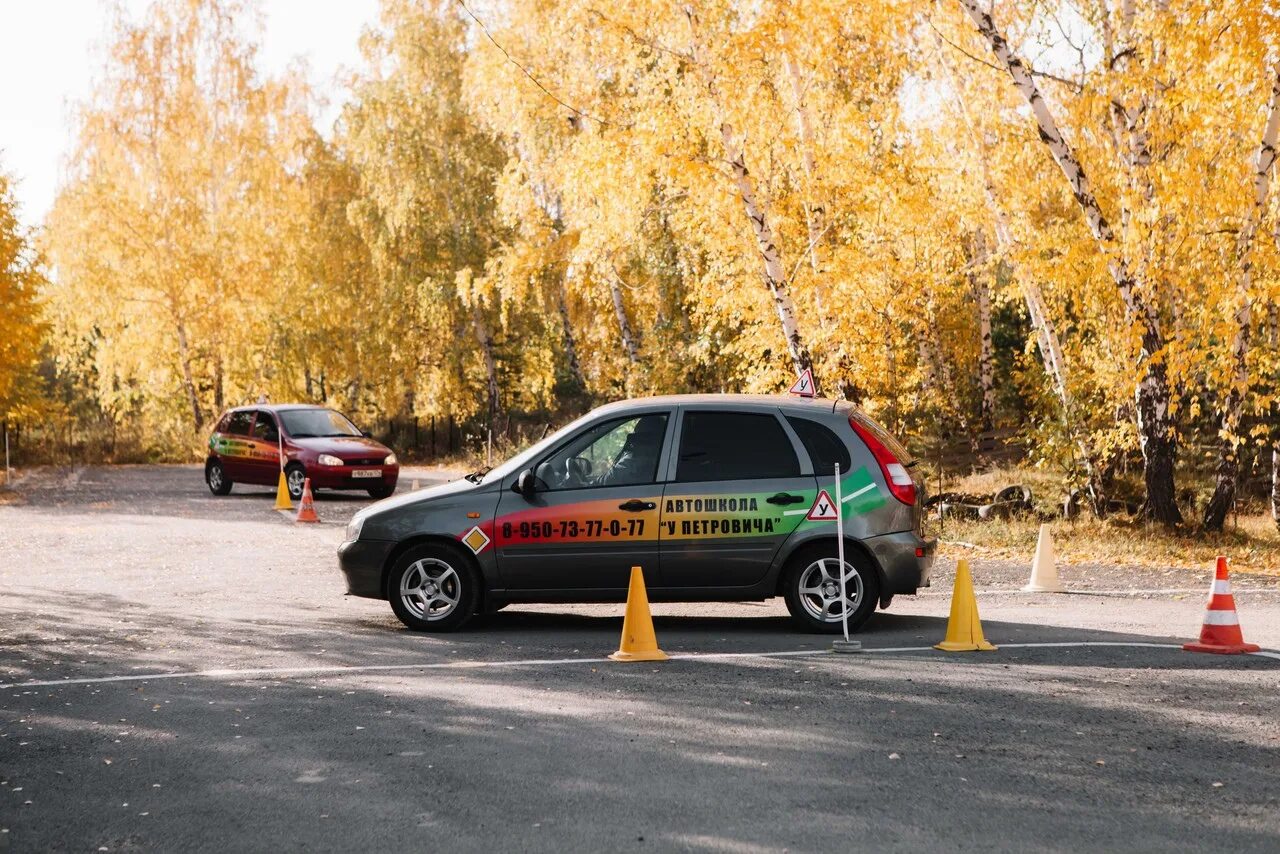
295, 477
813, 595
433, 588
216, 476
380, 492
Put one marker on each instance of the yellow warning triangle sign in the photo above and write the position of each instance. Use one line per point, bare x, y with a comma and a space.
803, 386
823, 509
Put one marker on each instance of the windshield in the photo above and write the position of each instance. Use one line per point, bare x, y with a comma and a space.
312, 423
526, 457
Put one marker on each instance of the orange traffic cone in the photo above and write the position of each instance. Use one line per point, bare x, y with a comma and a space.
306, 507
639, 643
1221, 631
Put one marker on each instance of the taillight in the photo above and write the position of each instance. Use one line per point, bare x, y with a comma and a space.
895, 473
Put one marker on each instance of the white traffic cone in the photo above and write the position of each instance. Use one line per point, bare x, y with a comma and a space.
1044, 570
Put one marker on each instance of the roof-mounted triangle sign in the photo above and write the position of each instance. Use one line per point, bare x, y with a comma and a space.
823, 509
803, 385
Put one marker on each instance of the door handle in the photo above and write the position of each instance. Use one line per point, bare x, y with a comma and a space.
635, 505
784, 498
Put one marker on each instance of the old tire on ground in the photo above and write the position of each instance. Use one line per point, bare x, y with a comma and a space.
295, 477
434, 587
811, 587
216, 477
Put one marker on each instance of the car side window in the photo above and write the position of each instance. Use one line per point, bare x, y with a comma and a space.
616, 453
240, 423
734, 446
224, 423
265, 427
824, 446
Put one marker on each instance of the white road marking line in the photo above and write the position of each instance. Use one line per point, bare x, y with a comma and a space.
1172, 591
538, 662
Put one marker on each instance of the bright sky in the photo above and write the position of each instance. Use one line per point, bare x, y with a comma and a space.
49, 50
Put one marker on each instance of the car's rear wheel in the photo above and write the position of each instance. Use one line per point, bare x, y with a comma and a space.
381, 492
812, 589
295, 476
216, 476
433, 588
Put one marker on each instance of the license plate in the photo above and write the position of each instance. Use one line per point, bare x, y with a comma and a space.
367, 473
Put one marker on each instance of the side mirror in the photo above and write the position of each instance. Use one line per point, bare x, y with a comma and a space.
366, 434
526, 484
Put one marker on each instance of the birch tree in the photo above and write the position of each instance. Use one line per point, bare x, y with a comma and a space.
1228, 469
1153, 394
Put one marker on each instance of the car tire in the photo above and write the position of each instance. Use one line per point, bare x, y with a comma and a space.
380, 492
434, 588
216, 477
295, 477
810, 587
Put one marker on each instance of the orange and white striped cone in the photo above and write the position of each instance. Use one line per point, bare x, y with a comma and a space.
1221, 632
306, 507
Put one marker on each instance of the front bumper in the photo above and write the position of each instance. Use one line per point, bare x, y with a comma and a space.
335, 477
906, 559
361, 561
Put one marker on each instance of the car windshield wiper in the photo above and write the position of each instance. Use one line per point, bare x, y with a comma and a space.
476, 475
303, 435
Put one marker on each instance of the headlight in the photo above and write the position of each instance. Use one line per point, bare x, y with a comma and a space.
353, 528
390, 460
328, 460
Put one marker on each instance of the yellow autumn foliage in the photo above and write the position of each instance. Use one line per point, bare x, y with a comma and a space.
528, 206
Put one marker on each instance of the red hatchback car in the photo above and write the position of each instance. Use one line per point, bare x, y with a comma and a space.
318, 443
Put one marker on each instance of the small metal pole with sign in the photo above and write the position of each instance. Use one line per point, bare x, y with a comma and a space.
845, 645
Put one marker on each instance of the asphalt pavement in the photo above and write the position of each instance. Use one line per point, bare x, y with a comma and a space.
179, 671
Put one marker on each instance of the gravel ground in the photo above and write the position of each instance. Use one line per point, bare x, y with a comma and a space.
355, 733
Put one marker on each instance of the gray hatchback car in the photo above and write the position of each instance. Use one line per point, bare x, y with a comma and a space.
710, 494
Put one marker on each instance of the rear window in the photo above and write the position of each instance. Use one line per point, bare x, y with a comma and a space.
239, 423
824, 446
734, 446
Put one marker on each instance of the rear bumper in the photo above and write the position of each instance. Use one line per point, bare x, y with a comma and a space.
905, 558
361, 562
324, 477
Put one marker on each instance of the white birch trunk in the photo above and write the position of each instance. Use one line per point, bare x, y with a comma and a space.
816, 213
485, 339
1275, 483
1153, 394
566, 331
1046, 331
775, 277
188, 381
629, 344
1233, 406
980, 280
773, 272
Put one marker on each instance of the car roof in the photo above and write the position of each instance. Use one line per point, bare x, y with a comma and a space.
276, 407
785, 401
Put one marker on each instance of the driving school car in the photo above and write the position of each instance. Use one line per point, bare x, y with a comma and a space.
710, 494
318, 443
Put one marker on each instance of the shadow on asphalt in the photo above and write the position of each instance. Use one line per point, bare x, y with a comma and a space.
121, 635
847, 753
